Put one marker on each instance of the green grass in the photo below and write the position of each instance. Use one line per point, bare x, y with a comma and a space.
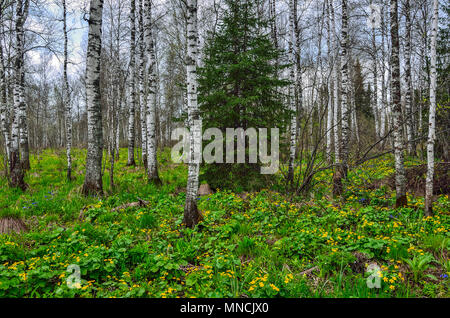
257, 247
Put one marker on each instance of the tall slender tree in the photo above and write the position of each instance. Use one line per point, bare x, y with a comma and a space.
191, 214
66, 97
142, 102
408, 80
22, 7
384, 103
152, 167
93, 179
4, 122
342, 168
16, 165
132, 86
375, 99
432, 114
329, 126
399, 145
292, 90
335, 79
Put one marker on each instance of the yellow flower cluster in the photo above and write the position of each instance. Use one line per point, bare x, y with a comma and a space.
288, 278
258, 281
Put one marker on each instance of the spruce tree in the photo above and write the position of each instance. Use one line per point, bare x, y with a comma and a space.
239, 87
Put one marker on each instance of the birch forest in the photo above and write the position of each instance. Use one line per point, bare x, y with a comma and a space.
224, 149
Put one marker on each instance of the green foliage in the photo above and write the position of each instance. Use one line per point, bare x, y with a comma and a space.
361, 95
239, 88
418, 264
257, 246
246, 247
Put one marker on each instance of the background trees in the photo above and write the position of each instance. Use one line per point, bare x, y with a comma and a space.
343, 90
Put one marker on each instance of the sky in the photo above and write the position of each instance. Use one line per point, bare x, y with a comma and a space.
77, 36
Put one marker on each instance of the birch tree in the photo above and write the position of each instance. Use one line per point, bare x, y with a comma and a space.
93, 179
384, 104
142, 103
152, 168
17, 165
132, 86
4, 122
400, 180
341, 170
375, 99
329, 126
432, 114
66, 97
292, 89
19, 89
408, 80
335, 79
191, 214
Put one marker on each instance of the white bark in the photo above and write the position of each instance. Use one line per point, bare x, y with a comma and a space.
329, 126
408, 80
66, 97
132, 86
142, 99
335, 79
19, 90
3, 106
400, 180
345, 92
432, 114
375, 100
191, 215
18, 131
293, 78
93, 179
384, 102
152, 170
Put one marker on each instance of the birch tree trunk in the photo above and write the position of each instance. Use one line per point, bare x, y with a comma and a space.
432, 115
408, 81
152, 167
341, 170
329, 127
16, 165
142, 102
352, 104
400, 180
132, 87
375, 99
384, 103
191, 214
298, 64
93, 179
293, 79
3, 105
117, 128
335, 79
273, 23
66, 98
19, 90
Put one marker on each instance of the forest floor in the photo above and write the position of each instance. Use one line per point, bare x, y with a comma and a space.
261, 244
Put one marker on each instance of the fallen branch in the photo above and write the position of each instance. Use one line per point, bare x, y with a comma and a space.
308, 271
140, 203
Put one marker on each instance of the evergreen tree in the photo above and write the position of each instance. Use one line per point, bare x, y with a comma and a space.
362, 96
238, 85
